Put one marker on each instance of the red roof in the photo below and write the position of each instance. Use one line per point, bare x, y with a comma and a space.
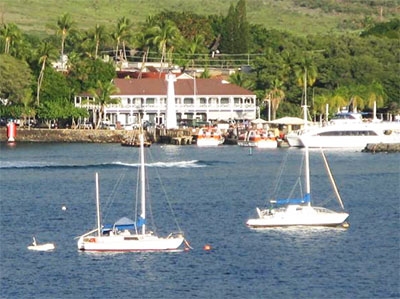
158, 87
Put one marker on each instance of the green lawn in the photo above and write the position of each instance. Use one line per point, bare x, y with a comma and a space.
297, 16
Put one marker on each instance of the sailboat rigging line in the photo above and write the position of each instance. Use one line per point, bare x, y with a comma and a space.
187, 244
112, 196
278, 180
298, 182
166, 195
148, 199
332, 179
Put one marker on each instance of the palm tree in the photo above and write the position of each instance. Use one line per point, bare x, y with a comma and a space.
142, 43
375, 94
99, 35
102, 97
239, 79
191, 51
27, 102
164, 37
306, 75
64, 24
120, 34
206, 74
319, 104
92, 40
9, 33
45, 52
275, 95
337, 101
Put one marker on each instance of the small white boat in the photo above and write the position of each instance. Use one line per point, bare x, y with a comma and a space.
258, 138
210, 136
41, 247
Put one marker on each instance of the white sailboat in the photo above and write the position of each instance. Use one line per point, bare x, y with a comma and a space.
300, 211
293, 212
125, 234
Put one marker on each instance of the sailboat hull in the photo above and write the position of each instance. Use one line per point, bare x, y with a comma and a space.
296, 215
120, 243
42, 247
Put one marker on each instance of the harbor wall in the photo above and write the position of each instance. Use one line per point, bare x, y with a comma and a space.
382, 147
91, 136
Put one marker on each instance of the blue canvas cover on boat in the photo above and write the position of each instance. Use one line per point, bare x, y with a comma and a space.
286, 201
124, 223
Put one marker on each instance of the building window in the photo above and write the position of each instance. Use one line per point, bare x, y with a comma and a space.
248, 101
188, 101
224, 102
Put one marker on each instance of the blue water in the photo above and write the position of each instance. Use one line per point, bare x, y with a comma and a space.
213, 191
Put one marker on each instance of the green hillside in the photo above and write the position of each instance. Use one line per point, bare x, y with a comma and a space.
296, 16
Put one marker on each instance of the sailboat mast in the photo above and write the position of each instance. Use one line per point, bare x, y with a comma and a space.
142, 182
98, 205
307, 167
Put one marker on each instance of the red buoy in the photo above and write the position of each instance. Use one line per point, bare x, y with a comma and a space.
207, 247
11, 131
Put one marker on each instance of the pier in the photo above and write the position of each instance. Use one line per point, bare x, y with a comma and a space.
177, 137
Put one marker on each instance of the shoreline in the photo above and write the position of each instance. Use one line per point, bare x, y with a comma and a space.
118, 136
67, 135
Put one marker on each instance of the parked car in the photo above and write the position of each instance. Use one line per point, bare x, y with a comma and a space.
86, 125
130, 127
107, 126
147, 124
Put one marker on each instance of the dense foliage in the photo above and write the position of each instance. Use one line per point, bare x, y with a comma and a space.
276, 65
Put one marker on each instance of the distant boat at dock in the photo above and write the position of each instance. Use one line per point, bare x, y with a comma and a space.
257, 138
209, 136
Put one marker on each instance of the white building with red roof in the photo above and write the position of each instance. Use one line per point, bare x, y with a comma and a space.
197, 99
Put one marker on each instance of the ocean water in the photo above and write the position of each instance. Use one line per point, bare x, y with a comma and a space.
212, 191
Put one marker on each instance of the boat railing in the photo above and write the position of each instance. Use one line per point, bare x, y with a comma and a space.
86, 234
323, 210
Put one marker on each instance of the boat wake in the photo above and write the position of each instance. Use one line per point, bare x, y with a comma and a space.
177, 164
35, 165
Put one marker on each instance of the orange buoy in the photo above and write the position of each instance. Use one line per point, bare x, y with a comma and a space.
11, 131
207, 247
